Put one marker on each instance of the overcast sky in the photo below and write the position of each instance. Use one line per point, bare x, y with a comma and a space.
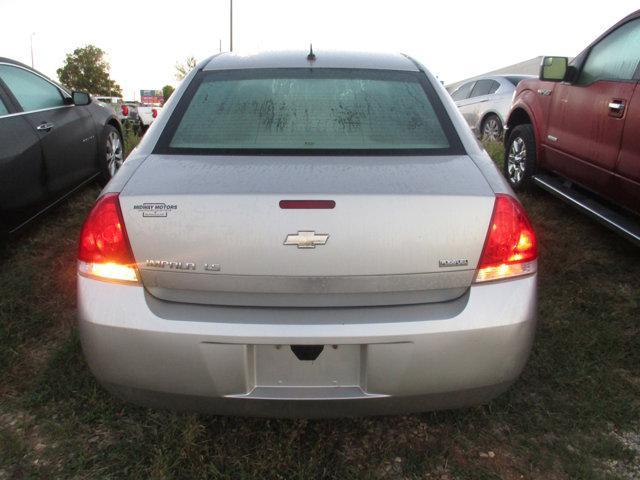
454, 39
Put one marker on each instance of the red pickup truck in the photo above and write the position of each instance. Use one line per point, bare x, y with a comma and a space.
576, 130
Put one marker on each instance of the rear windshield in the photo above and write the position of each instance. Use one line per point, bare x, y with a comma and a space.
307, 111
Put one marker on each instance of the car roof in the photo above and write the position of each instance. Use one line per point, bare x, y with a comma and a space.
13, 62
507, 75
323, 59
501, 76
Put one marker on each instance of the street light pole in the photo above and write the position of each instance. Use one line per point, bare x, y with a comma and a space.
32, 49
231, 25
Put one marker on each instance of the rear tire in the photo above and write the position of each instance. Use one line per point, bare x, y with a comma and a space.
111, 153
491, 128
520, 157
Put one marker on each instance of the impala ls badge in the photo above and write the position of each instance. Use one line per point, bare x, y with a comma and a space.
305, 239
453, 262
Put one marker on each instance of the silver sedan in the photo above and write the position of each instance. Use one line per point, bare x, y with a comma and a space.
307, 235
485, 103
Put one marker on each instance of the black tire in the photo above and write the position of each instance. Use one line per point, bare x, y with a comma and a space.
520, 157
491, 128
110, 162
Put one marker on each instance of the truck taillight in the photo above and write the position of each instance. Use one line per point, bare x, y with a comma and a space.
510, 249
104, 252
125, 110
154, 113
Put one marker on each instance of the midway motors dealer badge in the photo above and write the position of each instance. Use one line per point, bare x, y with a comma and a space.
155, 209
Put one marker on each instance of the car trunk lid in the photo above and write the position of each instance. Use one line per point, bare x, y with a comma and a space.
210, 229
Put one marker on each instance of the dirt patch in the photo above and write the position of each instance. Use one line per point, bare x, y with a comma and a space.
626, 469
22, 426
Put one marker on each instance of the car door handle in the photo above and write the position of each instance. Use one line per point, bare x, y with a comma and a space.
616, 108
45, 126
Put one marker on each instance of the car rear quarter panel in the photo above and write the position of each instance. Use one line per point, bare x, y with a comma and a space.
148, 142
496, 104
473, 148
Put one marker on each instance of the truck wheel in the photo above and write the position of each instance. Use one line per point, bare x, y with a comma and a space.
491, 128
520, 157
111, 153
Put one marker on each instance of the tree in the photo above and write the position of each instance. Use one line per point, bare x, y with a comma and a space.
86, 69
167, 90
183, 70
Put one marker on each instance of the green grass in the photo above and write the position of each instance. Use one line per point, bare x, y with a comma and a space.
496, 150
130, 137
581, 384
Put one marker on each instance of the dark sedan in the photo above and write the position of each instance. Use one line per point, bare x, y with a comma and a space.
52, 141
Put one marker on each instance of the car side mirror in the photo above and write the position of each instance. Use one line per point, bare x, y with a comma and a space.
554, 69
81, 98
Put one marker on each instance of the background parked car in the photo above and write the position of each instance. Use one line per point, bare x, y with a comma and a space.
147, 114
139, 115
132, 114
580, 123
51, 142
116, 103
485, 103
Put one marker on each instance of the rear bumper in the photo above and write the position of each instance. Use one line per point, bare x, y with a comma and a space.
379, 360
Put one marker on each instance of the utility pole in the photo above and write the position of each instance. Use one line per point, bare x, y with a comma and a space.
231, 25
220, 41
32, 49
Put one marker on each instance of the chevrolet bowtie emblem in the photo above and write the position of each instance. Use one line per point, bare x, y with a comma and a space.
306, 239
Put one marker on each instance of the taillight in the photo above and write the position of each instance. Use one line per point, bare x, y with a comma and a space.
104, 252
154, 113
510, 249
125, 110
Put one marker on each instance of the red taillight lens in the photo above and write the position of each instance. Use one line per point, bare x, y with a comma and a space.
154, 113
125, 110
104, 250
510, 248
